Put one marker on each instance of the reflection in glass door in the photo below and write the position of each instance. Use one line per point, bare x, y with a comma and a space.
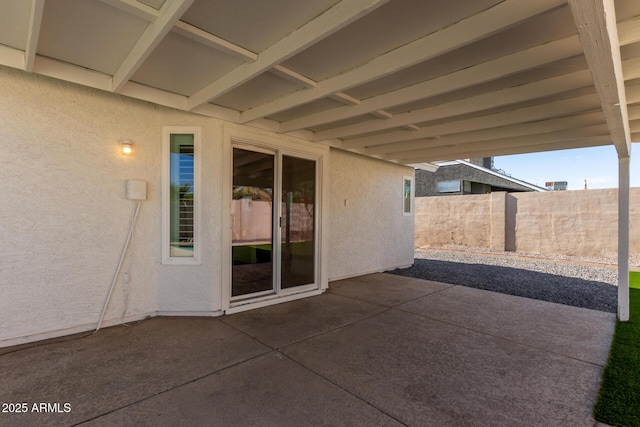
298, 222
252, 213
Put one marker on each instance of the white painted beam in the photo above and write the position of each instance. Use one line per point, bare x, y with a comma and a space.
464, 32
552, 146
395, 150
623, 238
381, 114
135, 8
344, 98
596, 23
33, 33
149, 40
71, 73
565, 107
490, 70
323, 26
499, 143
485, 101
292, 76
212, 41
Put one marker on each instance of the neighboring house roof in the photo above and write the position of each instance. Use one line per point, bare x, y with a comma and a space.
497, 174
408, 81
462, 170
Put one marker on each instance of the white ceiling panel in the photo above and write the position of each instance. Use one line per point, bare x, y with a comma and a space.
394, 24
539, 30
260, 89
88, 33
156, 4
180, 66
254, 24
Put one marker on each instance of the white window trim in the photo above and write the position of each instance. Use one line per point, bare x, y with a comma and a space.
167, 131
411, 208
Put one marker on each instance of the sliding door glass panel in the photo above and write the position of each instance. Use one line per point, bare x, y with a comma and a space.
252, 222
298, 222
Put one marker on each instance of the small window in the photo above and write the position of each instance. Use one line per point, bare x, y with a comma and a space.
449, 186
181, 194
407, 199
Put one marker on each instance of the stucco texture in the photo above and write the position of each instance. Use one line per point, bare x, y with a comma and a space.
64, 215
368, 230
576, 223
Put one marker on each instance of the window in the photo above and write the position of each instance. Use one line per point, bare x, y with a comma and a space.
181, 195
449, 186
407, 198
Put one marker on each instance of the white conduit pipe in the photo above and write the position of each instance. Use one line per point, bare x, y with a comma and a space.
115, 277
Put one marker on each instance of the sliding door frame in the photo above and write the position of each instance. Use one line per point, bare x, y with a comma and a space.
243, 139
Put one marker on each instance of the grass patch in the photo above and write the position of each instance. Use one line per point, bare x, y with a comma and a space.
619, 398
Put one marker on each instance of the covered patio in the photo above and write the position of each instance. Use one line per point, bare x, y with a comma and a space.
378, 349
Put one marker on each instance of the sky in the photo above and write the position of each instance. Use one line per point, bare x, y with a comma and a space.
598, 165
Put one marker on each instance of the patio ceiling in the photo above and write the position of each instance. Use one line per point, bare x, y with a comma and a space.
409, 81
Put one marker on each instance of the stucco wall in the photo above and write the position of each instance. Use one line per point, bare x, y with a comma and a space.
578, 223
64, 215
368, 230
455, 220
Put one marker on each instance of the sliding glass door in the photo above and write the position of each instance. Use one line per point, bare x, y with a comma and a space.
273, 244
252, 213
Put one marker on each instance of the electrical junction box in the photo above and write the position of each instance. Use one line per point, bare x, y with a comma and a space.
136, 189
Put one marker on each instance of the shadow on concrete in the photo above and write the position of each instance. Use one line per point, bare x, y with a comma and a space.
519, 282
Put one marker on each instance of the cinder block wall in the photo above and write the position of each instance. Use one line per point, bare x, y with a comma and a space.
577, 223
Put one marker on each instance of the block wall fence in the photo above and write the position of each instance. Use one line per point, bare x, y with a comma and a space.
575, 223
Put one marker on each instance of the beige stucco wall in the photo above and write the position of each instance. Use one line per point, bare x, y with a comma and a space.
64, 215
577, 223
464, 220
368, 229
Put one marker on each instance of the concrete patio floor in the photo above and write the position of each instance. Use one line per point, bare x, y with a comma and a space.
374, 350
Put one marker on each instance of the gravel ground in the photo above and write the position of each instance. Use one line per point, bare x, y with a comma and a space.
581, 282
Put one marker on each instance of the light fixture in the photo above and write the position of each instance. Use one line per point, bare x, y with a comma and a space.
126, 147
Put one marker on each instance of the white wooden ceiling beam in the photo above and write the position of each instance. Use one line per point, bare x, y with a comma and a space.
597, 28
411, 127
33, 33
71, 73
485, 101
292, 76
339, 16
150, 39
464, 32
509, 131
491, 70
565, 107
344, 98
381, 114
516, 148
629, 31
212, 41
522, 140
135, 8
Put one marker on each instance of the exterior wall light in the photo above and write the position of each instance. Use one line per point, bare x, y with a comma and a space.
126, 147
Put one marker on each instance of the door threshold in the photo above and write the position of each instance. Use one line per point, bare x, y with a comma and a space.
246, 305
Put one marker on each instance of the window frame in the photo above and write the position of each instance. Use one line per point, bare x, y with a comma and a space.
167, 131
411, 195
